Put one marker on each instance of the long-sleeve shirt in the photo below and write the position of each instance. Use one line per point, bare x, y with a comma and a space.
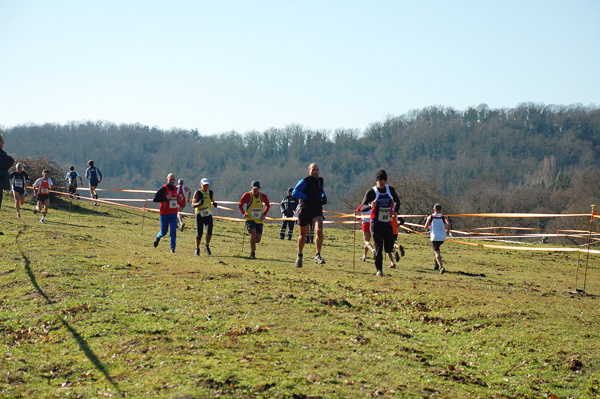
370, 197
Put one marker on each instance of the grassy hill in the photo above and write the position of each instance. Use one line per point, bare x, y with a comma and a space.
88, 308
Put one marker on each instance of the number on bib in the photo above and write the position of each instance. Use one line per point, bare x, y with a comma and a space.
45, 190
384, 214
19, 183
173, 203
256, 213
204, 212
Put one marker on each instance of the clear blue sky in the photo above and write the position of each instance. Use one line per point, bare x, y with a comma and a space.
246, 65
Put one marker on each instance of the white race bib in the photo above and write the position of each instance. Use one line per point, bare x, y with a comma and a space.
204, 212
173, 203
44, 190
384, 214
256, 213
19, 183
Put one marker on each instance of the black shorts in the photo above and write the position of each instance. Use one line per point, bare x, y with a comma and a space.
94, 183
251, 224
436, 245
43, 197
19, 190
72, 189
306, 216
202, 221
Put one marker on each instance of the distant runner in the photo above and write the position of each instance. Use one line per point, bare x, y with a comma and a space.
181, 189
436, 223
251, 206
94, 176
19, 186
312, 195
71, 177
167, 197
288, 206
41, 190
203, 202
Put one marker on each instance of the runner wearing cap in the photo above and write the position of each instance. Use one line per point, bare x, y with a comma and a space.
251, 206
184, 193
203, 202
288, 206
383, 202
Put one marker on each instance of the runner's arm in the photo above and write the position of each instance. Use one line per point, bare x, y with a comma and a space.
367, 199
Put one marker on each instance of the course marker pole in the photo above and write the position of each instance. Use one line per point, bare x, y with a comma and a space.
143, 216
354, 246
588, 253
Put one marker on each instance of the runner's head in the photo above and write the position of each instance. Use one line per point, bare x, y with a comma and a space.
19, 167
290, 190
91, 163
313, 170
45, 173
437, 208
180, 182
381, 178
205, 183
255, 186
72, 168
171, 179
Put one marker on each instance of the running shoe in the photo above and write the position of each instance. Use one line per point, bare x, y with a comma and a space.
156, 241
436, 266
197, 253
397, 256
18, 214
319, 260
363, 258
182, 226
42, 220
379, 273
299, 261
392, 266
442, 270
172, 251
35, 211
252, 256
207, 249
401, 250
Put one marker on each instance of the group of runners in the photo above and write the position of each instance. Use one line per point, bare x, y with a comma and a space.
379, 210
19, 179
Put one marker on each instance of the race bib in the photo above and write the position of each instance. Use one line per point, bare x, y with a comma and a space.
204, 212
173, 203
44, 190
19, 183
384, 214
256, 213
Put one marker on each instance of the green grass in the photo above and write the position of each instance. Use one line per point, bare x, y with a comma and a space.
88, 308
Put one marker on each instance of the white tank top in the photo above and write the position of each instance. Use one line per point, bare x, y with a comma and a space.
438, 227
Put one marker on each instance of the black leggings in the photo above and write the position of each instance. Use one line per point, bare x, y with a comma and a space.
383, 235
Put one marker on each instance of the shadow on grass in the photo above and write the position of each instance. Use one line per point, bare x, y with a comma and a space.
83, 345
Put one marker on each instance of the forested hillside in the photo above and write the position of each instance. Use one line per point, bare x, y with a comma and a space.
528, 158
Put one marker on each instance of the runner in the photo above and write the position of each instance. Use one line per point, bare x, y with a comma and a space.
181, 189
251, 206
6, 163
203, 202
168, 198
312, 195
288, 206
94, 176
72, 179
19, 186
41, 190
435, 223
365, 227
384, 204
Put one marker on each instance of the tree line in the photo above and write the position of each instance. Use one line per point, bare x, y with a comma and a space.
530, 158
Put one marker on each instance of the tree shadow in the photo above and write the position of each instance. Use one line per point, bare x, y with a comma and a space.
83, 345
